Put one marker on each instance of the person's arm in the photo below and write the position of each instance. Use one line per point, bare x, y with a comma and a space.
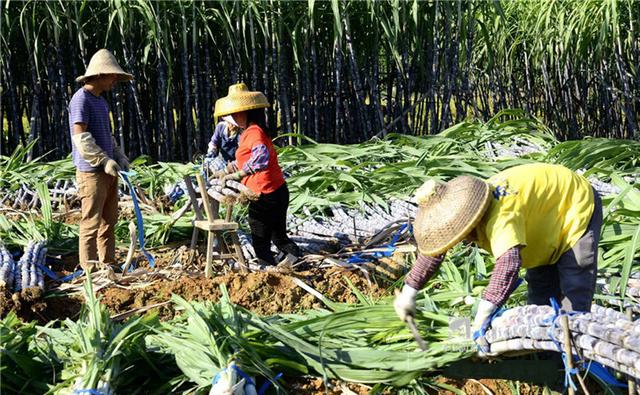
258, 161
504, 277
423, 269
90, 151
216, 140
501, 285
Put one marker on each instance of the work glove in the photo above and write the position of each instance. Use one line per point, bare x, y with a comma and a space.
112, 168
236, 176
119, 156
231, 167
481, 323
405, 302
217, 174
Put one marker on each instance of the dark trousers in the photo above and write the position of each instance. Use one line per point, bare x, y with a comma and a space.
574, 275
268, 221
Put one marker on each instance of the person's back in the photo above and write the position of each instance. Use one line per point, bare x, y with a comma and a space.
544, 208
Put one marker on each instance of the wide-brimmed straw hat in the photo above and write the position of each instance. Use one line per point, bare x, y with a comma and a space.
239, 99
103, 62
448, 212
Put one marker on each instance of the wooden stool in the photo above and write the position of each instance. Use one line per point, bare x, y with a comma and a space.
214, 226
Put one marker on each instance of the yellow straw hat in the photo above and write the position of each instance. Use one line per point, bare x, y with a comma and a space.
103, 62
448, 212
239, 99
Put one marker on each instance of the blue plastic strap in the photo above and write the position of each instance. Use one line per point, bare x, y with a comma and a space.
48, 272
568, 380
71, 276
557, 313
604, 375
265, 386
125, 177
52, 275
87, 391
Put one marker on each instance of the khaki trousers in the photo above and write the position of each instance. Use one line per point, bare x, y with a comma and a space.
98, 194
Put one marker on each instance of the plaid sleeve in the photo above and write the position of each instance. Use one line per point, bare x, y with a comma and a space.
424, 268
504, 277
258, 161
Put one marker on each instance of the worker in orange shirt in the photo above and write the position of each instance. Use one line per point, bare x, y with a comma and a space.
256, 166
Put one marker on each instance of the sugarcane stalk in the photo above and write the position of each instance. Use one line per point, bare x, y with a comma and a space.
132, 247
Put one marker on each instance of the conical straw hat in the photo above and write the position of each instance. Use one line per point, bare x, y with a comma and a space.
239, 99
103, 62
448, 212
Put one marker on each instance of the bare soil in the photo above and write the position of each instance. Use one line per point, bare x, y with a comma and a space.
264, 293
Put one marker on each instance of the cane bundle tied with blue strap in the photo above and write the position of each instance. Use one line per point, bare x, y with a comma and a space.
553, 321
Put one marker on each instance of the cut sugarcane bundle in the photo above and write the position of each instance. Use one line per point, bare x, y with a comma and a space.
7, 267
28, 269
245, 243
602, 334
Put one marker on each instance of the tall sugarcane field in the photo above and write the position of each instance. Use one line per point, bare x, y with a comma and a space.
262, 197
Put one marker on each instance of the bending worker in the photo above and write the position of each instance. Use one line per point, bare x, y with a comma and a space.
97, 158
223, 144
257, 167
542, 217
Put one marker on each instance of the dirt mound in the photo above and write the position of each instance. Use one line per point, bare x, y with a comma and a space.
30, 305
264, 293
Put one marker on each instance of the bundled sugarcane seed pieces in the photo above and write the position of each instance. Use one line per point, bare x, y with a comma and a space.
604, 335
7, 268
26, 273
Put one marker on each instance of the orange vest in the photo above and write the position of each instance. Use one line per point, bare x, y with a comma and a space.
264, 181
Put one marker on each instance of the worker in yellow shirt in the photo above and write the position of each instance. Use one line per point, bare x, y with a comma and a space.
542, 217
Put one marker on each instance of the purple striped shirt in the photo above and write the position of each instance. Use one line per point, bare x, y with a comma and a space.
93, 111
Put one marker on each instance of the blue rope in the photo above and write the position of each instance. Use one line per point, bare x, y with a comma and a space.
136, 207
87, 391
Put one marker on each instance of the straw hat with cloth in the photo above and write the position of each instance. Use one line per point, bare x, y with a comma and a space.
103, 62
239, 99
448, 212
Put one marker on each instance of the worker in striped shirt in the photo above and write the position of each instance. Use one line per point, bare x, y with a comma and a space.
256, 166
542, 217
97, 159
